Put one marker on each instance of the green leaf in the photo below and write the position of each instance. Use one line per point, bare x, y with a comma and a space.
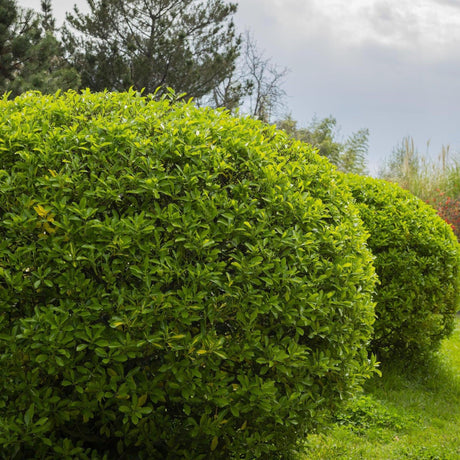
235, 411
214, 443
142, 400
29, 414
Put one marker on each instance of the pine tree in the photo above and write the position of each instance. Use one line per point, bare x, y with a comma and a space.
31, 57
48, 21
13, 42
188, 45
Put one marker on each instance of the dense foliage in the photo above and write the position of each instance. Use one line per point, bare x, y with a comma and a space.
417, 262
449, 209
174, 282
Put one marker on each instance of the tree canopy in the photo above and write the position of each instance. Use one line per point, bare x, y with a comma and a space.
348, 155
188, 45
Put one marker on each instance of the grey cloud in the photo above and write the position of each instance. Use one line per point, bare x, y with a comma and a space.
454, 3
389, 20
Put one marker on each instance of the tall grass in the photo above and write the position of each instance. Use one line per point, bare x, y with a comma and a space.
436, 181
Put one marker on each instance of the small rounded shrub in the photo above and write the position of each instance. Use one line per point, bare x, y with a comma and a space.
417, 262
174, 282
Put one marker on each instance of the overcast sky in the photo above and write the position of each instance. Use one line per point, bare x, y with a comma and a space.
392, 66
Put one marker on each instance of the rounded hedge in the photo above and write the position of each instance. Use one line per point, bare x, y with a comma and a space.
174, 282
417, 262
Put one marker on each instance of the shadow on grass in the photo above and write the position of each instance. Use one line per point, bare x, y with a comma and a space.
411, 412
430, 388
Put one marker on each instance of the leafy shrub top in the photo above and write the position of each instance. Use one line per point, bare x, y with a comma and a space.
173, 281
417, 262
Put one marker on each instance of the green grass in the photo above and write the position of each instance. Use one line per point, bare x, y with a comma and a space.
411, 412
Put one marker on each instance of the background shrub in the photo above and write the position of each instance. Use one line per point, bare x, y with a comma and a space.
448, 209
417, 262
174, 282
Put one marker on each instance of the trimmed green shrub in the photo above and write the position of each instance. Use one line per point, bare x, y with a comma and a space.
417, 262
174, 282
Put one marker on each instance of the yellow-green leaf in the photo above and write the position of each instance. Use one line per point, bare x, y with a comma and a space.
40, 210
142, 400
214, 443
220, 354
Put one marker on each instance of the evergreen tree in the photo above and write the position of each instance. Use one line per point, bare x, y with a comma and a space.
8, 14
17, 29
188, 45
48, 21
31, 57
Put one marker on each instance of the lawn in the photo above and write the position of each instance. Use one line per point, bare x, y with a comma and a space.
411, 412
